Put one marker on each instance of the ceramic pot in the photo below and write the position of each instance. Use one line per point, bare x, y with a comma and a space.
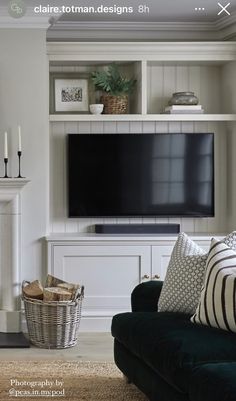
183, 98
96, 108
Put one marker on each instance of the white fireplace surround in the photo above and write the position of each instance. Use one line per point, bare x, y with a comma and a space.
10, 254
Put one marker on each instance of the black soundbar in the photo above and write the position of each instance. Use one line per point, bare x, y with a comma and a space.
137, 228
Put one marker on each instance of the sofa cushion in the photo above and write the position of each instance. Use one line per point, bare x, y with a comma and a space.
217, 304
213, 382
171, 345
184, 277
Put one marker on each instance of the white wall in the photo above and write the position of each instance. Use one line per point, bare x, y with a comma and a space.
24, 101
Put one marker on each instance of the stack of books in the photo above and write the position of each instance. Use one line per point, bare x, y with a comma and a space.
184, 109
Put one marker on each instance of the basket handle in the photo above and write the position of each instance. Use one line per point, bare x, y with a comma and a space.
79, 294
24, 284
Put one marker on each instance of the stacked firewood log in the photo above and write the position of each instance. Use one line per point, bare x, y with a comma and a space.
54, 290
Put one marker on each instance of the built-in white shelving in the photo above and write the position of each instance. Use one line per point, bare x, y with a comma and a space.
160, 68
142, 117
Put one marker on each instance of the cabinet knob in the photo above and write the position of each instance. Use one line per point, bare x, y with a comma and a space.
146, 277
156, 277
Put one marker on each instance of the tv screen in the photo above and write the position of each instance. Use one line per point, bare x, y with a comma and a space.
141, 175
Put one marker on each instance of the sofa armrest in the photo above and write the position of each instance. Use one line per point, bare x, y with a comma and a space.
144, 297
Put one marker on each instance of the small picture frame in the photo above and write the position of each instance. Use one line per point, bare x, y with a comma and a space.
69, 93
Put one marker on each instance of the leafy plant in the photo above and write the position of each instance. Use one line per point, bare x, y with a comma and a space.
112, 82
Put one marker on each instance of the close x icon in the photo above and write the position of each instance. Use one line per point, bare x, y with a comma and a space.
223, 9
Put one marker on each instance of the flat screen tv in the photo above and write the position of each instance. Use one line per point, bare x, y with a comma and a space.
126, 175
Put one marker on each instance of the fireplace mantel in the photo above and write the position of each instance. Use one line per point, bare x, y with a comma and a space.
10, 253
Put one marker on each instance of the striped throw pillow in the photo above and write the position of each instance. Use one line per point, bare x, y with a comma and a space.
217, 305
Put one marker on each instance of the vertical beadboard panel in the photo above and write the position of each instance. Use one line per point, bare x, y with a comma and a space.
195, 81
149, 127
169, 83
109, 127
135, 127
84, 127
142, 93
162, 127
174, 127
122, 127
209, 89
204, 80
96, 127
182, 79
156, 102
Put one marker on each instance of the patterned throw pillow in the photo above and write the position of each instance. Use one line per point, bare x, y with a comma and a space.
217, 305
230, 240
184, 278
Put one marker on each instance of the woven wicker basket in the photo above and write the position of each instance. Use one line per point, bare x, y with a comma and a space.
115, 104
53, 324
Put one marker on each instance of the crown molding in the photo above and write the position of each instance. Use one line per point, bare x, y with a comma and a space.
156, 51
225, 22
131, 26
99, 30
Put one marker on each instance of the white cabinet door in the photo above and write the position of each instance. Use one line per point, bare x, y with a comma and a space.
161, 256
160, 260
109, 274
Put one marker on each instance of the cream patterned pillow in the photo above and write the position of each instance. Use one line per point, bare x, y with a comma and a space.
184, 278
230, 240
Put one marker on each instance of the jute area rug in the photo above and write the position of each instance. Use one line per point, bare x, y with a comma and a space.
80, 381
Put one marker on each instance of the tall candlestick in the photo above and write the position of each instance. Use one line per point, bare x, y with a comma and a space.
19, 139
5, 147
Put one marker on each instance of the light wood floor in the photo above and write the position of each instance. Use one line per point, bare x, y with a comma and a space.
91, 347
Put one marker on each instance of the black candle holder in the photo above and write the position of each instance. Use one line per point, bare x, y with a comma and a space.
19, 153
6, 163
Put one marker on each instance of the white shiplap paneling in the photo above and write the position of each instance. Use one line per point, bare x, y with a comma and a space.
203, 80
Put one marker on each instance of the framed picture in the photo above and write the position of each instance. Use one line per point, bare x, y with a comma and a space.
69, 93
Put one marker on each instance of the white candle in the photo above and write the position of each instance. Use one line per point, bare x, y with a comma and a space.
5, 147
19, 138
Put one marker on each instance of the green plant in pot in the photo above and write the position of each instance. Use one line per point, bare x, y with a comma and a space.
116, 89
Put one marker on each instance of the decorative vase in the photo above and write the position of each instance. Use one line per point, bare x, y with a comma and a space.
183, 98
115, 104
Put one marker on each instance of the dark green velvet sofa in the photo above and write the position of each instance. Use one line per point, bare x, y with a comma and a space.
168, 357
